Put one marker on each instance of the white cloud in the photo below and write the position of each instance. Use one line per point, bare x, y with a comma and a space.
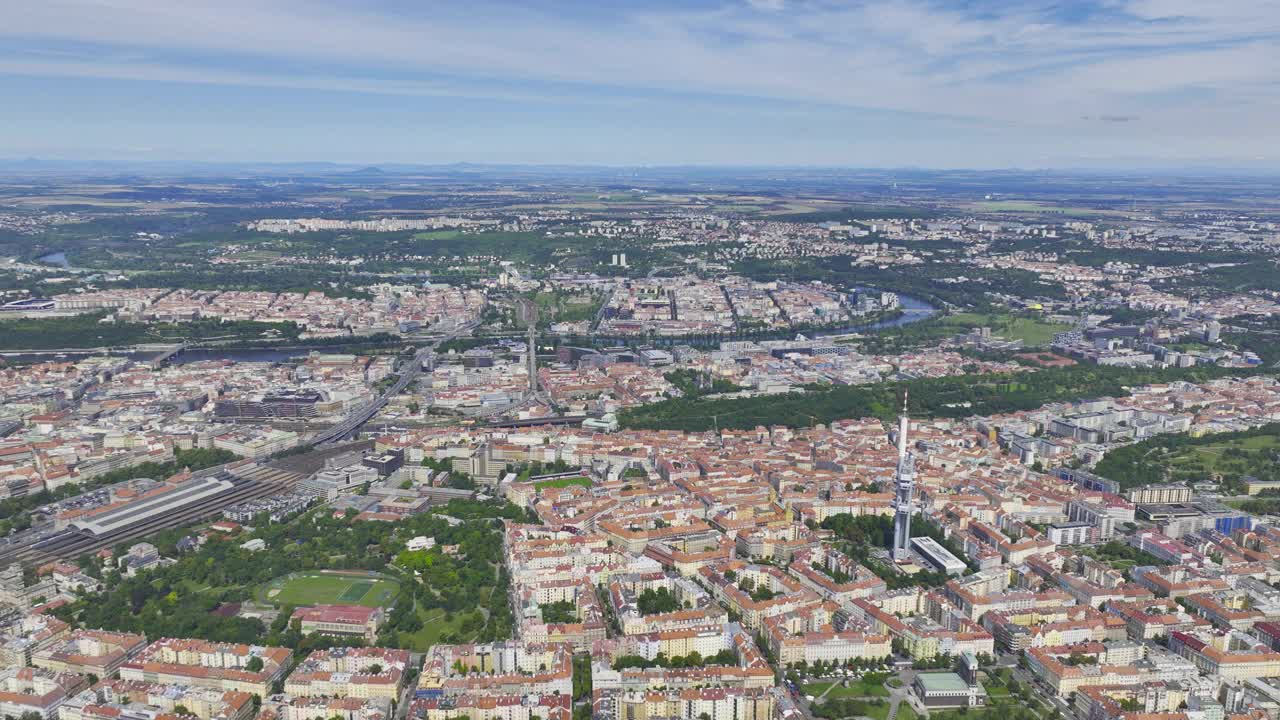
1156, 60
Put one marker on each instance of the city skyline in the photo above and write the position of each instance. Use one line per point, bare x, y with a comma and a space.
880, 83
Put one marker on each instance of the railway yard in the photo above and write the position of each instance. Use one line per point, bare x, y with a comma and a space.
181, 506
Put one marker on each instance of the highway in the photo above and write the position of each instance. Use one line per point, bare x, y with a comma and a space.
256, 482
362, 414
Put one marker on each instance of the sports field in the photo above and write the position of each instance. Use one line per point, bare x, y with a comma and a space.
321, 588
563, 483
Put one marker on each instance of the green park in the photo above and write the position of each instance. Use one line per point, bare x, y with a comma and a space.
327, 587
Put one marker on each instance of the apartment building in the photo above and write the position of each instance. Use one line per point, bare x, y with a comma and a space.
223, 666
90, 652
364, 673
121, 699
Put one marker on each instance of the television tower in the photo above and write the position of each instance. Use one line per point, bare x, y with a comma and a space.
904, 490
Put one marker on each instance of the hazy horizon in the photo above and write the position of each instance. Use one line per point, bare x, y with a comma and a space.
393, 167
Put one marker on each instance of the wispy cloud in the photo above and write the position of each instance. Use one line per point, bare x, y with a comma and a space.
1181, 65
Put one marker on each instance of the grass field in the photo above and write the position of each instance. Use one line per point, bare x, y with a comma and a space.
254, 256
562, 483
1031, 206
817, 688
1211, 455
433, 626
438, 235
906, 712
878, 712
1031, 331
560, 307
1225, 457
302, 589
977, 713
857, 688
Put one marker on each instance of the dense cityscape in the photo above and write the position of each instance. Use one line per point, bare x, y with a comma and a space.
662, 360
569, 451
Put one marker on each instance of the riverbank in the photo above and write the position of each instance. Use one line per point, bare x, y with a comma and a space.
59, 341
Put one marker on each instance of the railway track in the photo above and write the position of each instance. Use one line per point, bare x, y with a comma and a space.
262, 481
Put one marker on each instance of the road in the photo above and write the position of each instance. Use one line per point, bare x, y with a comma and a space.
904, 694
1043, 690
599, 318
362, 414
406, 696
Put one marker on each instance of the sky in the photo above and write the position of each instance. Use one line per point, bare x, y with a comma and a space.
855, 83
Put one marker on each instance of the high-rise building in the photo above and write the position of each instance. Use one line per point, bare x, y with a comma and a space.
904, 490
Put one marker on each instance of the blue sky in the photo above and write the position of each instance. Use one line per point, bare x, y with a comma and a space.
868, 83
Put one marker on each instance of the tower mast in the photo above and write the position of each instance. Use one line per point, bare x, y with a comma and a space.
904, 489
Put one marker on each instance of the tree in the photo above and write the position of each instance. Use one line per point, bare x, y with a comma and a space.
582, 682
653, 601
561, 611
254, 664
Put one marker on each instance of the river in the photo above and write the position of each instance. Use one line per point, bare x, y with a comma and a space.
248, 354
913, 310
187, 356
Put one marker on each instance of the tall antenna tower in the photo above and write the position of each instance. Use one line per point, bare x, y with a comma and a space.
904, 490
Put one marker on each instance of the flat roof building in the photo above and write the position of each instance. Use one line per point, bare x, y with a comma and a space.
947, 689
937, 556
351, 620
